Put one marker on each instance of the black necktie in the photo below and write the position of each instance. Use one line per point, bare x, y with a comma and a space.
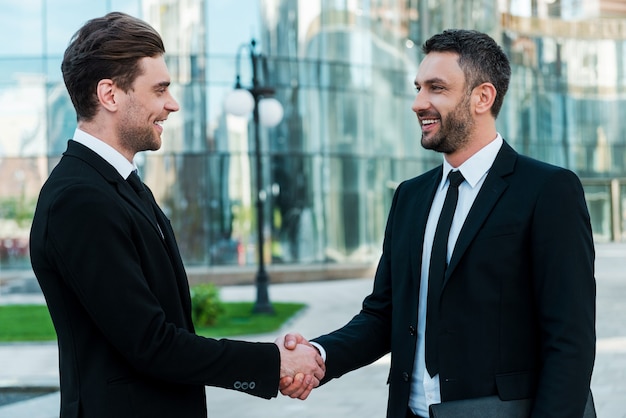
137, 185
438, 264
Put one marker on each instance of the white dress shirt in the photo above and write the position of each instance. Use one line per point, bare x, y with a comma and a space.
107, 152
424, 389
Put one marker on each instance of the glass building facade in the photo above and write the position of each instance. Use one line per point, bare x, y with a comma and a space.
343, 71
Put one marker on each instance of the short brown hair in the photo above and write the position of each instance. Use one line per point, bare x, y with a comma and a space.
106, 47
480, 57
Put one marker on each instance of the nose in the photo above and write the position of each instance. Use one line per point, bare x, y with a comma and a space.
420, 102
172, 105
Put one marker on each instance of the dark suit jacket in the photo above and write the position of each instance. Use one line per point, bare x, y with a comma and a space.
518, 303
119, 300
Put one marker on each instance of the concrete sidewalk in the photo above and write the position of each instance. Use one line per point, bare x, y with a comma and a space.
362, 393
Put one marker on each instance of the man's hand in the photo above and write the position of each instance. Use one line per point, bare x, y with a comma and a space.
293, 338
301, 367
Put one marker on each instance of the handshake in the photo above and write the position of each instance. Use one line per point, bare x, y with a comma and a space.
301, 366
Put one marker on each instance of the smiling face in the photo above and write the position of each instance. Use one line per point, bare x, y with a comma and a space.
443, 103
145, 107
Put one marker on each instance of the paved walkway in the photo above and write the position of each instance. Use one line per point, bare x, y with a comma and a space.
362, 393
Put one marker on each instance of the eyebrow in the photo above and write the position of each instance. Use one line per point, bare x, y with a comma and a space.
434, 80
162, 84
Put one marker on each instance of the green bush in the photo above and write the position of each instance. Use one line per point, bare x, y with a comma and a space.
206, 305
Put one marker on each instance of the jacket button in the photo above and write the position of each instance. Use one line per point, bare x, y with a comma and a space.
405, 376
412, 330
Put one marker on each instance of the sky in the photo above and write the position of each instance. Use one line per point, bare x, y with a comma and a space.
22, 23
31, 29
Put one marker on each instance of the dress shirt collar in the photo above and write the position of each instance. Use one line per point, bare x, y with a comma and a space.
107, 152
477, 165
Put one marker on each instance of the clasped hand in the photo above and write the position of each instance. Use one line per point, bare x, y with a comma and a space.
301, 366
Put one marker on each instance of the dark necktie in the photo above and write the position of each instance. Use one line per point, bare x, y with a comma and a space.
149, 203
438, 264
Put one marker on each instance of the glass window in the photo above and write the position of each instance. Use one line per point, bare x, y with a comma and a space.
21, 22
231, 24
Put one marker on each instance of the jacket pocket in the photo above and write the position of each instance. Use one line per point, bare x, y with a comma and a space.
517, 385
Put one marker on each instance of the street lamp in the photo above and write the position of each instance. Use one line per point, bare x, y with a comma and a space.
267, 112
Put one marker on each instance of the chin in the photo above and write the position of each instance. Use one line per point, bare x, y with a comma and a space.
150, 146
156, 144
430, 144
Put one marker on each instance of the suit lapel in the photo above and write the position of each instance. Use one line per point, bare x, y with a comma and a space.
425, 189
179, 268
489, 194
126, 192
106, 170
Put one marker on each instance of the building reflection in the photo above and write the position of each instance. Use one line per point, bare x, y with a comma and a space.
344, 74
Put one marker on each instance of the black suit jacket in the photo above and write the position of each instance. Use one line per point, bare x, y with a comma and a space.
119, 299
518, 303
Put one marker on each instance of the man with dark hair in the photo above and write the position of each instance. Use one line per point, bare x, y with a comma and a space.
107, 260
485, 289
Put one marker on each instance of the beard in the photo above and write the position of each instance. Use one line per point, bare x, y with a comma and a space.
135, 135
454, 131
139, 138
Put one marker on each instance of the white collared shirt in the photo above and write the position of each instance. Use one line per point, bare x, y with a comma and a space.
107, 152
424, 389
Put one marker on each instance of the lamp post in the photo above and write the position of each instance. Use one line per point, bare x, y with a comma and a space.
266, 111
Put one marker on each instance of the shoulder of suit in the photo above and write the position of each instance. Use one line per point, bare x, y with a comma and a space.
535, 164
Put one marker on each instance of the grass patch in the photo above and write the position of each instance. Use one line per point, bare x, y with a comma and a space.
33, 323
238, 319
26, 323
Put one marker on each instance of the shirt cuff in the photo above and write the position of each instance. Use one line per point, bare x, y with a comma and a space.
320, 349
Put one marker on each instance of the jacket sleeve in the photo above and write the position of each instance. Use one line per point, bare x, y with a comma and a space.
564, 288
105, 256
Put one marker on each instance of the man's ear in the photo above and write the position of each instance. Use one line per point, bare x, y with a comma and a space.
484, 95
106, 94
